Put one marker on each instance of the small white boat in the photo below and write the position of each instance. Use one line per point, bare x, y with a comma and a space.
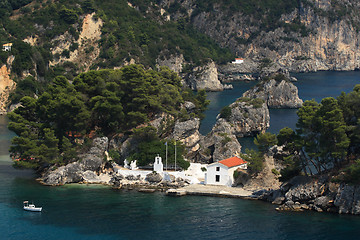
31, 207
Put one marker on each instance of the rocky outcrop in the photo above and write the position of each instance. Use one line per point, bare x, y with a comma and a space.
175, 63
216, 146
153, 177
247, 118
318, 194
7, 85
187, 132
276, 94
325, 40
88, 44
204, 77
265, 179
78, 171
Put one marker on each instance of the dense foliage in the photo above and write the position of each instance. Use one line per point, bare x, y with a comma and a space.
256, 159
127, 33
150, 146
108, 101
326, 138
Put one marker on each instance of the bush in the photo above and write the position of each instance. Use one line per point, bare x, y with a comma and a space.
257, 102
225, 113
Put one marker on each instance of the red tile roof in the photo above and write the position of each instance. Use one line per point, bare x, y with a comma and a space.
232, 162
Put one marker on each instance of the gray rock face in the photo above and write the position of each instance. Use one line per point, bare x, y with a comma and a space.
316, 194
246, 119
219, 144
153, 178
331, 45
187, 132
348, 199
205, 77
303, 192
175, 63
74, 172
189, 106
91, 162
276, 94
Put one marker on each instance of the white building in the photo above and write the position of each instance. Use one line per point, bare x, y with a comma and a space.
222, 172
238, 61
158, 165
7, 47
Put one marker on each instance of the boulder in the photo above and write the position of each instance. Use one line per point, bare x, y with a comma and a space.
153, 177
54, 177
91, 162
90, 177
73, 173
323, 202
116, 180
189, 106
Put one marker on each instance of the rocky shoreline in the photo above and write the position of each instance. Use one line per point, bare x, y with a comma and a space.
314, 193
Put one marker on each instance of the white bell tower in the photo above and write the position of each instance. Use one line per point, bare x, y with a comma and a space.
158, 165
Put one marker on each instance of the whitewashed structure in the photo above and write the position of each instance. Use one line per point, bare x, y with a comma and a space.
7, 47
158, 165
222, 172
238, 61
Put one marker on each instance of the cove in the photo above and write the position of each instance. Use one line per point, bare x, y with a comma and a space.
87, 212
310, 86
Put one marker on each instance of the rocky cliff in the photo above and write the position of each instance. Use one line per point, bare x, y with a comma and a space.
7, 85
87, 49
315, 35
318, 194
276, 93
204, 77
248, 117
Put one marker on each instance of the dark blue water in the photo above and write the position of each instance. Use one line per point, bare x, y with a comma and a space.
82, 212
310, 85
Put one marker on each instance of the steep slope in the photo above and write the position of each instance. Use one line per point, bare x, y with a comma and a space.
301, 35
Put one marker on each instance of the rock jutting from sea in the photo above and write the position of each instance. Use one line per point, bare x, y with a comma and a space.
248, 117
277, 91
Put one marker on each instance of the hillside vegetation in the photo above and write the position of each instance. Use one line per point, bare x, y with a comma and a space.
127, 33
104, 102
326, 139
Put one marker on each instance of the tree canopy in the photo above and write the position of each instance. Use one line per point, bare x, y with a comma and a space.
108, 101
327, 135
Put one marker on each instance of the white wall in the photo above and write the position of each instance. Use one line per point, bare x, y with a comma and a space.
210, 177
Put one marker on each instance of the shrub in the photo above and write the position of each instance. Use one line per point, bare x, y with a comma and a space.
225, 113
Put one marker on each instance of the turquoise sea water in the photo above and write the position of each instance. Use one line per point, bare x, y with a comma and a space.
82, 212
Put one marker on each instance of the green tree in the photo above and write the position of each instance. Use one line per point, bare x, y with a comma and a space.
264, 141
225, 112
108, 113
255, 160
